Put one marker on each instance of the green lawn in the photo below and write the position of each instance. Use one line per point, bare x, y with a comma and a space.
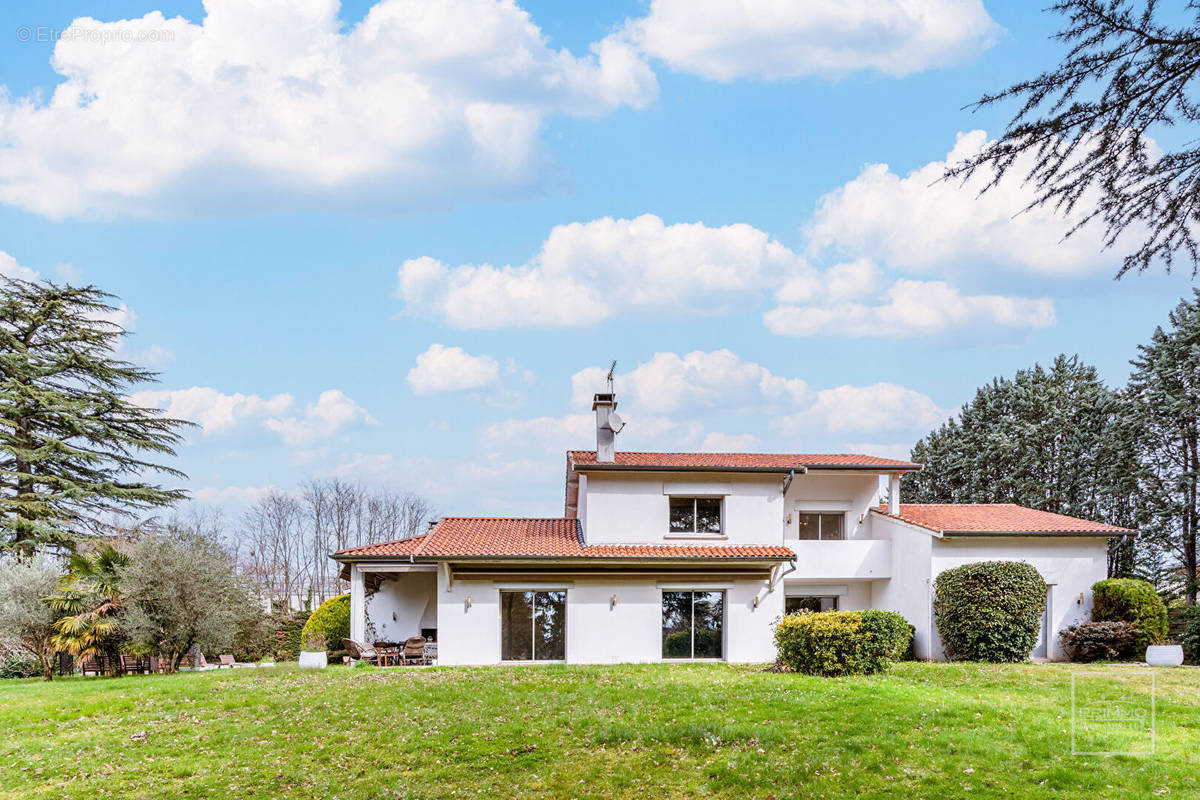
923, 730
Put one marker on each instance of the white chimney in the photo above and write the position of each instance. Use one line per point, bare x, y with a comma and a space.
894, 495
608, 425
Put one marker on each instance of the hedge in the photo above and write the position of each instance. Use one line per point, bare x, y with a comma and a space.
1131, 600
989, 611
841, 642
331, 620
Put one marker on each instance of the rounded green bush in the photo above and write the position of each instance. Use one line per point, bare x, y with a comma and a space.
331, 620
841, 642
1131, 600
989, 611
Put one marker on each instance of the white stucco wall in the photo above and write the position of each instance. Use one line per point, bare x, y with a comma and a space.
633, 508
601, 632
1069, 564
411, 598
907, 592
851, 493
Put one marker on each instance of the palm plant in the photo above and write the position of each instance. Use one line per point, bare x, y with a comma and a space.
90, 603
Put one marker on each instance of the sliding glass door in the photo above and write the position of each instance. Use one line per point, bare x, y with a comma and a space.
533, 626
693, 624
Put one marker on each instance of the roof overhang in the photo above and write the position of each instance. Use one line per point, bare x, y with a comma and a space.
597, 562
799, 469
1039, 534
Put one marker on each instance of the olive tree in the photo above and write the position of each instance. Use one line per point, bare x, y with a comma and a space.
26, 619
181, 591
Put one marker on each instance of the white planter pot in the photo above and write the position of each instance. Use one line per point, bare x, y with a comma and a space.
313, 659
1164, 655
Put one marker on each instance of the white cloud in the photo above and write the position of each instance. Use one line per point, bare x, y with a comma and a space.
332, 414
920, 223
442, 369
911, 308
278, 100
730, 443
719, 379
214, 411
779, 40
901, 451
879, 407
239, 496
590, 272
9, 268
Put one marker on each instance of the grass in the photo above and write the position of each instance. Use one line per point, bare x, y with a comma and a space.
922, 730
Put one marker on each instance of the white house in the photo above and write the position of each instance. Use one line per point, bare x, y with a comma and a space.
668, 556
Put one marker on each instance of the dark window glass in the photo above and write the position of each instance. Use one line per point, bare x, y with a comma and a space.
550, 626
677, 625
831, 526
791, 605
683, 515
533, 626
693, 624
708, 515
808, 526
695, 514
708, 611
516, 628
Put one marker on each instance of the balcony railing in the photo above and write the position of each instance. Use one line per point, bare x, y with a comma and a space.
843, 559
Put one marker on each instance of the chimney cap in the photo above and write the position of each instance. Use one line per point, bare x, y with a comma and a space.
604, 399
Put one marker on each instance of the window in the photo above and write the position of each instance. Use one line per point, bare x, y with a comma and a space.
693, 624
695, 515
810, 603
533, 626
820, 526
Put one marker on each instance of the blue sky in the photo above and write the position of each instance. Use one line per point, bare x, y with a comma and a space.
398, 246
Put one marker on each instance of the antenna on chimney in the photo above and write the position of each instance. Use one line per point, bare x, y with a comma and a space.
611, 370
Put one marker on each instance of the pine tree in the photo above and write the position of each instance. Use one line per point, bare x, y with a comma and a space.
73, 446
1054, 439
1165, 385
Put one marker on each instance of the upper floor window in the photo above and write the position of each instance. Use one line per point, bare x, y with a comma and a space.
820, 526
695, 515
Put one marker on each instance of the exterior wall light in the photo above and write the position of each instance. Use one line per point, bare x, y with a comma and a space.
468, 601
756, 601
393, 616
612, 603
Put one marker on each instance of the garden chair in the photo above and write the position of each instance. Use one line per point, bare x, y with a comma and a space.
360, 652
414, 650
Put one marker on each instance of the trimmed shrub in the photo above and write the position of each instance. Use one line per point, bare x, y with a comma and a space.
989, 611
841, 642
331, 620
287, 635
1098, 641
1131, 600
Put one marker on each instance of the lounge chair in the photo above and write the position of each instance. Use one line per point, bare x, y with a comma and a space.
414, 650
230, 662
360, 652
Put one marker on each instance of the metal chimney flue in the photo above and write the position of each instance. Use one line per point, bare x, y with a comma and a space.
608, 424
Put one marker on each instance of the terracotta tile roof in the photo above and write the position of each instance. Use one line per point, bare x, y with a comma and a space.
994, 518
507, 537
736, 461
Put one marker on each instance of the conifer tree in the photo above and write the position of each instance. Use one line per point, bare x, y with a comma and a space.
73, 447
1054, 439
1165, 385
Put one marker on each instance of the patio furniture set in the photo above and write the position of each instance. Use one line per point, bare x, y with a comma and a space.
414, 651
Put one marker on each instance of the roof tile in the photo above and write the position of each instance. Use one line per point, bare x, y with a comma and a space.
994, 518
521, 537
735, 461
